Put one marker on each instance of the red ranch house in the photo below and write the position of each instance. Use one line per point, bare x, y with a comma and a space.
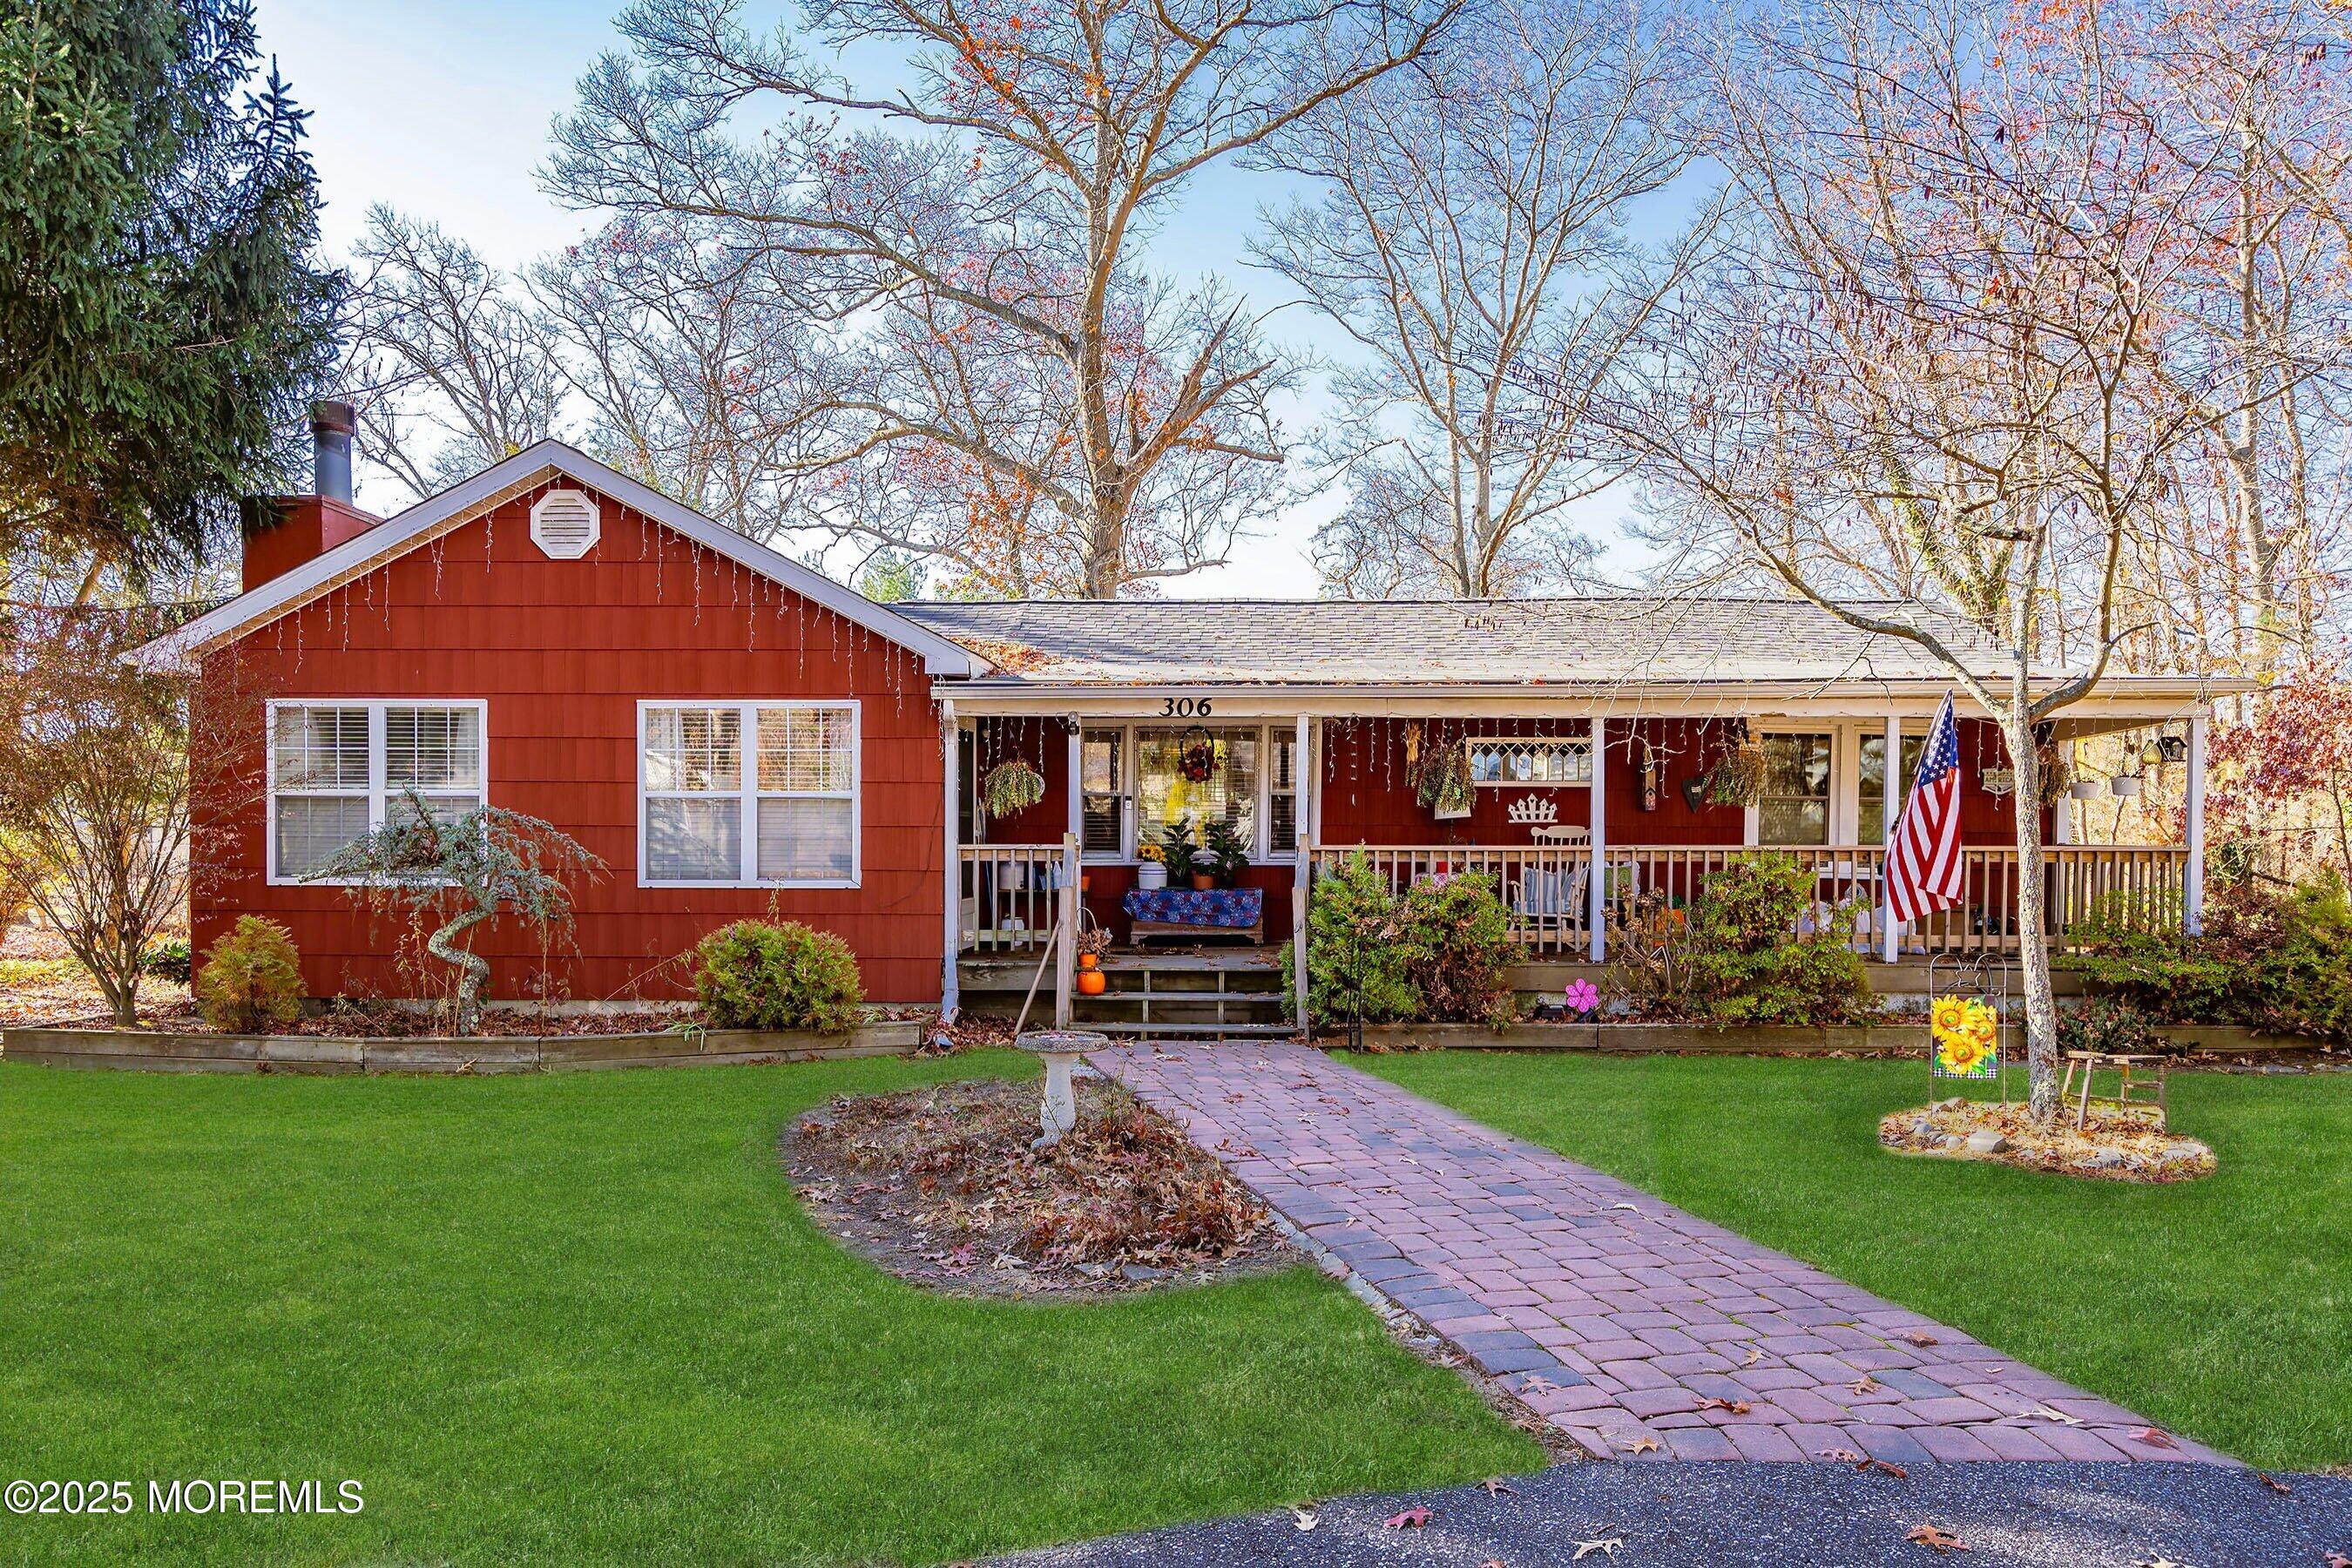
737, 735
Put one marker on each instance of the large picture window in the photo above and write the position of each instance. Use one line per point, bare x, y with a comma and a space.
333, 767
1196, 775
749, 794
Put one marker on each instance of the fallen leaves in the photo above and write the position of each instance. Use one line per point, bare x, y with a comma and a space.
1755, 1354
2337, 1560
1494, 1488
1645, 1444
1736, 1406
2153, 1438
1936, 1537
1866, 1384
2044, 1413
1607, 1546
1865, 1462
1304, 1518
1841, 1455
1413, 1518
1921, 1338
2276, 1484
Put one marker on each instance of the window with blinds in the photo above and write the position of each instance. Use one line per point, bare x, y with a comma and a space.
780, 811
334, 766
1282, 793
1102, 797
1172, 783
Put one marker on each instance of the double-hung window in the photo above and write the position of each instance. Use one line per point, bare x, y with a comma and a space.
336, 767
1795, 807
749, 794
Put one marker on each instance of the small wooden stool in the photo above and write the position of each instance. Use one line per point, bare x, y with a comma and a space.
2127, 1093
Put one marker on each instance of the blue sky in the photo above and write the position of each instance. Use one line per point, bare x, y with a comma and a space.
442, 110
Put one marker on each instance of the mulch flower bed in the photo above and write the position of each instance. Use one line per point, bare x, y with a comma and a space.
2111, 1146
939, 1187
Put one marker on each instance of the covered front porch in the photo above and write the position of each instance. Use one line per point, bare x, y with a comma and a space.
1544, 789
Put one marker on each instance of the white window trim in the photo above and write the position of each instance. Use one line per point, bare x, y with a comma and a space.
378, 792
748, 794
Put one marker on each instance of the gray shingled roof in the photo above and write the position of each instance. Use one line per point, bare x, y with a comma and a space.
1550, 642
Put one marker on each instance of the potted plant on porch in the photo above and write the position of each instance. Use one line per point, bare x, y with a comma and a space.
1223, 853
1150, 867
1181, 856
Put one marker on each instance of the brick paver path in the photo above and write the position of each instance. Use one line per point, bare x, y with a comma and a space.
1624, 1320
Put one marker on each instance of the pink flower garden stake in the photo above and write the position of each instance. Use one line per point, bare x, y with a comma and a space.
1582, 997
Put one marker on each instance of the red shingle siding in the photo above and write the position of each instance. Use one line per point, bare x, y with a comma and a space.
562, 651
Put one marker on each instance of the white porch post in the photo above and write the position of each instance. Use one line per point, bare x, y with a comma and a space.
2193, 891
1302, 781
1076, 826
1890, 938
1596, 880
1066, 931
952, 874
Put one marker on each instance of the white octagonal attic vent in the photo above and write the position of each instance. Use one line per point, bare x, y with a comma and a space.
563, 524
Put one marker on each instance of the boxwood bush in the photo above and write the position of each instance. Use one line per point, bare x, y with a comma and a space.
758, 974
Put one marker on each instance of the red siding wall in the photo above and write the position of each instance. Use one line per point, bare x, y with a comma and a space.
1368, 799
562, 651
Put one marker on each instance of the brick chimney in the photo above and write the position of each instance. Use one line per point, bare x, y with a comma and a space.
281, 532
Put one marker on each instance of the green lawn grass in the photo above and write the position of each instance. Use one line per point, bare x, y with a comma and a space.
2221, 1308
580, 1318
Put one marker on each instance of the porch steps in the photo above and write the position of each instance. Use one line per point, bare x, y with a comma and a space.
1200, 991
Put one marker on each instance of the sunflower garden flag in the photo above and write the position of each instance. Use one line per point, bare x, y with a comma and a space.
1966, 1035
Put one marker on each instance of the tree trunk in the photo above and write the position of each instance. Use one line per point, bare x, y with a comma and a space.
473, 968
2033, 950
1106, 546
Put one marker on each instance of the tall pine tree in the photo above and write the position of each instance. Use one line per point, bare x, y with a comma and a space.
161, 317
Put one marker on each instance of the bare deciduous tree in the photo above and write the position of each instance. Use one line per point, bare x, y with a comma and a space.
1472, 225
1942, 355
987, 219
691, 366
96, 800
448, 365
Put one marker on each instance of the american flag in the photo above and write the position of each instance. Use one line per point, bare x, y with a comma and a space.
1923, 864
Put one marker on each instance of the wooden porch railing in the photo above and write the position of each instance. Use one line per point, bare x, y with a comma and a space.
1006, 894
1545, 888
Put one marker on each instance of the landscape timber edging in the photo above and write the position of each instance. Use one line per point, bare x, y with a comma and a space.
1642, 1039
163, 1050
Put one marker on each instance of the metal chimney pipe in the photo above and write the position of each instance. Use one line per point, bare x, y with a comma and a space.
332, 424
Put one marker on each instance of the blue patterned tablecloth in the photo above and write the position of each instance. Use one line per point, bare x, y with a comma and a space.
1238, 907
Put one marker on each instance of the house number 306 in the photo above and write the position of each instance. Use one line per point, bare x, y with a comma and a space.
1184, 707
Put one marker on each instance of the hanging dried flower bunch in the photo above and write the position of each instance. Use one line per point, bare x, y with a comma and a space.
1011, 788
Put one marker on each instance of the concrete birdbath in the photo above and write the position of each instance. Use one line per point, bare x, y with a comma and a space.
1060, 1049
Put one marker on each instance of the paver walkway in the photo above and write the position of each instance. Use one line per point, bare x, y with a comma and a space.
1630, 1324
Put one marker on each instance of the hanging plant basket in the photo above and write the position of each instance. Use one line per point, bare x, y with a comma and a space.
1011, 788
1442, 784
1738, 778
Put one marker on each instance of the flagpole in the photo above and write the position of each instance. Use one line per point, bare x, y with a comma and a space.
1890, 940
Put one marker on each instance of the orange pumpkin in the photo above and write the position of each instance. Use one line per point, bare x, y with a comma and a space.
1091, 982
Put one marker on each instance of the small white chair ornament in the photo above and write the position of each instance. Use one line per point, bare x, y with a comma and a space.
1540, 815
